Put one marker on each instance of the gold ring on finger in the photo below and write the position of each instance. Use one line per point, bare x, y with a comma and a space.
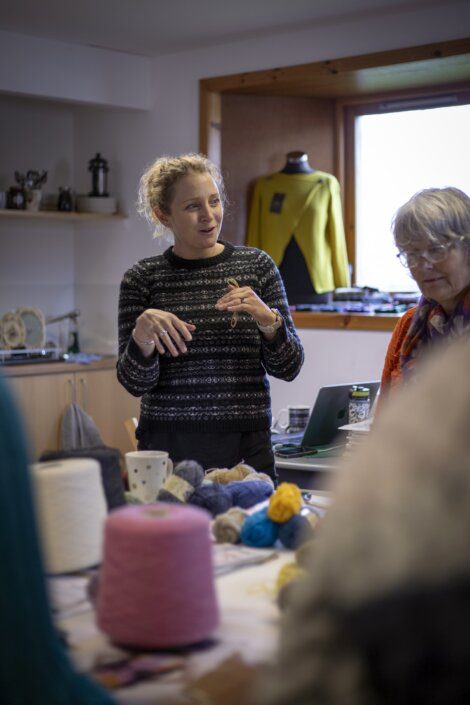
163, 332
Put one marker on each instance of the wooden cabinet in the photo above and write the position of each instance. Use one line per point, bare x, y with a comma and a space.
44, 394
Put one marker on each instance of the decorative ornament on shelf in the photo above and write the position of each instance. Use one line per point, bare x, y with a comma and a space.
16, 198
65, 200
35, 326
13, 331
98, 200
99, 174
31, 185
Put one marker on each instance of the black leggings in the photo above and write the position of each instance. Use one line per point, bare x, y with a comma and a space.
215, 450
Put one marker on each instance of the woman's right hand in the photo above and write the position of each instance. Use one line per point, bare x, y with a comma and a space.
167, 331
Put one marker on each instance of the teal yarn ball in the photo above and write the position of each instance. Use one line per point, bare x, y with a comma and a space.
295, 532
259, 530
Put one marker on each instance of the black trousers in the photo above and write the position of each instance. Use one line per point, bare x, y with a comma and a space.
215, 450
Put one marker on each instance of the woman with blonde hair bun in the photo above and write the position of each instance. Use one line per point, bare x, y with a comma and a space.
201, 326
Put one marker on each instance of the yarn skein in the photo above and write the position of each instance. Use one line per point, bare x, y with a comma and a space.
294, 532
235, 474
288, 572
259, 530
255, 476
247, 494
227, 527
215, 498
285, 502
289, 575
180, 485
35, 668
156, 587
109, 460
71, 508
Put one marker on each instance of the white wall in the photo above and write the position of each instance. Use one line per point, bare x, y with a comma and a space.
56, 70
130, 139
332, 357
36, 258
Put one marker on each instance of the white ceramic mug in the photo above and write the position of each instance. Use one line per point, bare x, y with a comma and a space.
147, 470
293, 418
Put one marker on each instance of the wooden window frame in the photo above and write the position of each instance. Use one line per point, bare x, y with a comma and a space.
352, 109
358, 84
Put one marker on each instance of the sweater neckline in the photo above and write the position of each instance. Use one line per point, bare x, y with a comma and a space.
182, 263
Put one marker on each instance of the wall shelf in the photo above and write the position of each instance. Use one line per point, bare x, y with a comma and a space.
59, 216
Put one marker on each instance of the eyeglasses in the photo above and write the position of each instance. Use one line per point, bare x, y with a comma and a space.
435, 254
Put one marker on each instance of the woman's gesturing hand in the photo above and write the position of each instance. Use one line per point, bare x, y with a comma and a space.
243, 298
164, 329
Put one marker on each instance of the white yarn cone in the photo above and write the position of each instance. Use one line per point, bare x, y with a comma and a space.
71, 510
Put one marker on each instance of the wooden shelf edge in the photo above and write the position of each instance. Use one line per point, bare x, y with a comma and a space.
345, 321
58, 216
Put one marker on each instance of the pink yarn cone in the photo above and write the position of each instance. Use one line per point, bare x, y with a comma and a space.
156, 586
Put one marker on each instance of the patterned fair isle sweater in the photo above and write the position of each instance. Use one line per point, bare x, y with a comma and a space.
220, 384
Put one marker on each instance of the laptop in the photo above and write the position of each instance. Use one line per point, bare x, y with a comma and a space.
329, 412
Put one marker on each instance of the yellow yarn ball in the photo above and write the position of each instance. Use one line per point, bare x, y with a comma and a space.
285, 502
288, 573
304, 553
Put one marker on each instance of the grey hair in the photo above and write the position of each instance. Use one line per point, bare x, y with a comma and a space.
157, 184
435, 215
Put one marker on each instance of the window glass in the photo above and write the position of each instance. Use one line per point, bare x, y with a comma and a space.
398, 154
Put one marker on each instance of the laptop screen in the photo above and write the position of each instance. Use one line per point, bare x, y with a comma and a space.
329, 412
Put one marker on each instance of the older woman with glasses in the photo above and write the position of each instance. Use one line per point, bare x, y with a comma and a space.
432, 233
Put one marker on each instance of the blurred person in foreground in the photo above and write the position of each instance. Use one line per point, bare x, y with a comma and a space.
383, 616
432, 233
34, 666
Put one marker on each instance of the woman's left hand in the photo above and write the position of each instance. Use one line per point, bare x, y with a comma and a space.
244, 299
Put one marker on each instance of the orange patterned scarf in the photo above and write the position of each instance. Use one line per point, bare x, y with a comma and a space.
431, 324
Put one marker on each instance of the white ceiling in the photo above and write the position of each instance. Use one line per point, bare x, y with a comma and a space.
154, 27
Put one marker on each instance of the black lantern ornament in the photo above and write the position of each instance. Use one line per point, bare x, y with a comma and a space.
99, 174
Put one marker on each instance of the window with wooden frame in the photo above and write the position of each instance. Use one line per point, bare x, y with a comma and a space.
245, 120
396, 147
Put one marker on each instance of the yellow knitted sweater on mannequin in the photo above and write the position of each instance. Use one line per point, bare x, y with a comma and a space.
307, 207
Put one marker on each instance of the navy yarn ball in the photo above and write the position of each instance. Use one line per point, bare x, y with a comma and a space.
295, 532
214, 498
259, 530
247, 494
164, 496
191, 471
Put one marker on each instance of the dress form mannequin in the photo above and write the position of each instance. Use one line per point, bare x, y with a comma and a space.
296, 216
297, 163
293, 270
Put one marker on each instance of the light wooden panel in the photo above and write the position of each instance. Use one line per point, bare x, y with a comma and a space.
429, 64
258, 131
346, 321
